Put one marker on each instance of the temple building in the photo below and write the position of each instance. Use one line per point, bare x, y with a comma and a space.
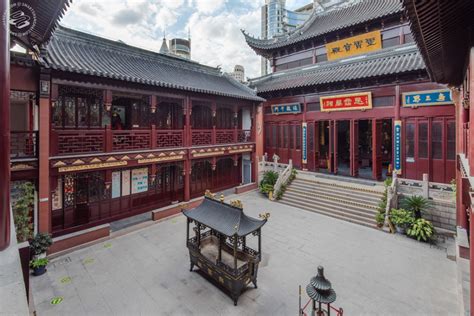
106, 130
350, 95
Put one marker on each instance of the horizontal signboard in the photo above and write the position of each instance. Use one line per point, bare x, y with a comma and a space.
427, 98
354, 45
291, 108
346, 102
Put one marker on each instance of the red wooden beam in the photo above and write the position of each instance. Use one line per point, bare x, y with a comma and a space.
4, 129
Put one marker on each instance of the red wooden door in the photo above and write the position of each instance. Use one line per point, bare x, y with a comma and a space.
422, 155
408, 138
437, 151
450, 150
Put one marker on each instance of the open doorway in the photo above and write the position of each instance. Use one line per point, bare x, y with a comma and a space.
343, 147
323, 143
365, 148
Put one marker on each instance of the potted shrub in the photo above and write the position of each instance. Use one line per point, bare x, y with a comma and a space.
417, 204
268, 181
402, 219
380, 219
421, 230
40, 244
39, 266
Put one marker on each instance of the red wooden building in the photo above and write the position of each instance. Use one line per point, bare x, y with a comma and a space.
347, 85
448, 51
107, 130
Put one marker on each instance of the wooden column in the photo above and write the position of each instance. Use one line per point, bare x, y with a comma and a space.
44, 203
187, 179
376, 150
187, 108
214, 118
5, 128
334, 146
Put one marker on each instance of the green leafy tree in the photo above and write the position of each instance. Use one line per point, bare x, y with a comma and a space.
22, 209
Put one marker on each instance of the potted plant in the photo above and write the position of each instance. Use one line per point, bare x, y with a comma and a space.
402, 219
40, 244
39, 266
421, 230
268, 181
417, 204
380, 219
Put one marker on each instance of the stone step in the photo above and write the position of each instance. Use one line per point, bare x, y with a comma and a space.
368, 214
331, 198
337, 215
357, 197
341, 187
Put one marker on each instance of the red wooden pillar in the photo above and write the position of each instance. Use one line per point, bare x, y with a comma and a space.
187, 179
316, 146
44, 203
5, 128
334, 146
187, 109
376, 150
214, 118
354, 148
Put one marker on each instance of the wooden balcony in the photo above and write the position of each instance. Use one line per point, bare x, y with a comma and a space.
23, 144
73, 142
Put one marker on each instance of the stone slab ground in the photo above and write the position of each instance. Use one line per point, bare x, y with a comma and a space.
146, 272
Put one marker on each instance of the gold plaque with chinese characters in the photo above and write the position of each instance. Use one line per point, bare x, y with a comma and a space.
354, 45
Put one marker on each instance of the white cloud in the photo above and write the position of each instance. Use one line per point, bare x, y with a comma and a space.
209, 6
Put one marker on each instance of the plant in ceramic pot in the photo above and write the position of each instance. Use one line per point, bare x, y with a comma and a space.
39, 265
417, 204
268, 182
40, 244
380, 219
402, 219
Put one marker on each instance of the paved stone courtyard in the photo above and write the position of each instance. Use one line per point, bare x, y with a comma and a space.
146, 272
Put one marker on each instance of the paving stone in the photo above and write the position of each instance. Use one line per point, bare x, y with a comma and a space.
147, 271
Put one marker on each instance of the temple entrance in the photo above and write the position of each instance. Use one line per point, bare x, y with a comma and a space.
324, 157
386, 149
343, 147
365, 148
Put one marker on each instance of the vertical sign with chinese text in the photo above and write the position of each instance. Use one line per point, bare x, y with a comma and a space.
354, 45
397, 168
304, 133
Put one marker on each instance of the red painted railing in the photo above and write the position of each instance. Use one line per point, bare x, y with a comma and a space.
23, 144
123, 140
201, 137
69, 142
244, 136
169, 138
225, 136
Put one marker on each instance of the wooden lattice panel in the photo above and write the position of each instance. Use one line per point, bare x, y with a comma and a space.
225, 137
244, 136
73, 142
201, 137
169, 139
126, 140
23, 144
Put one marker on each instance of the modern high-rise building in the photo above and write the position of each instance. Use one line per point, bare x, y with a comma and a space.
181, 47
238, 73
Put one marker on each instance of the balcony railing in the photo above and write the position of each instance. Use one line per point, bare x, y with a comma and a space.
71, 142
131, 140
169, 138
23, 144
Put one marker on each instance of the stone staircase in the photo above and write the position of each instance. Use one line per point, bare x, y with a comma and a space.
352, 202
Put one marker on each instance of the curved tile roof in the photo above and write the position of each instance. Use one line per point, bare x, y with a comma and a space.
319, 24
73, 51
224, 218
389, 61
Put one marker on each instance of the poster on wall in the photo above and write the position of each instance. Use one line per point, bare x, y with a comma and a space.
115, 184
397, 159
139, 180
125, 182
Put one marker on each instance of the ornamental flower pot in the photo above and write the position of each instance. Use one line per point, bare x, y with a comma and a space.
39, 270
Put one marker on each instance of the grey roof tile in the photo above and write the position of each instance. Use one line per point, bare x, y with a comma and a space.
390, 61
319, 24
73, 51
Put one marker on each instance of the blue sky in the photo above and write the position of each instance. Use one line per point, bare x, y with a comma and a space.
214, 25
